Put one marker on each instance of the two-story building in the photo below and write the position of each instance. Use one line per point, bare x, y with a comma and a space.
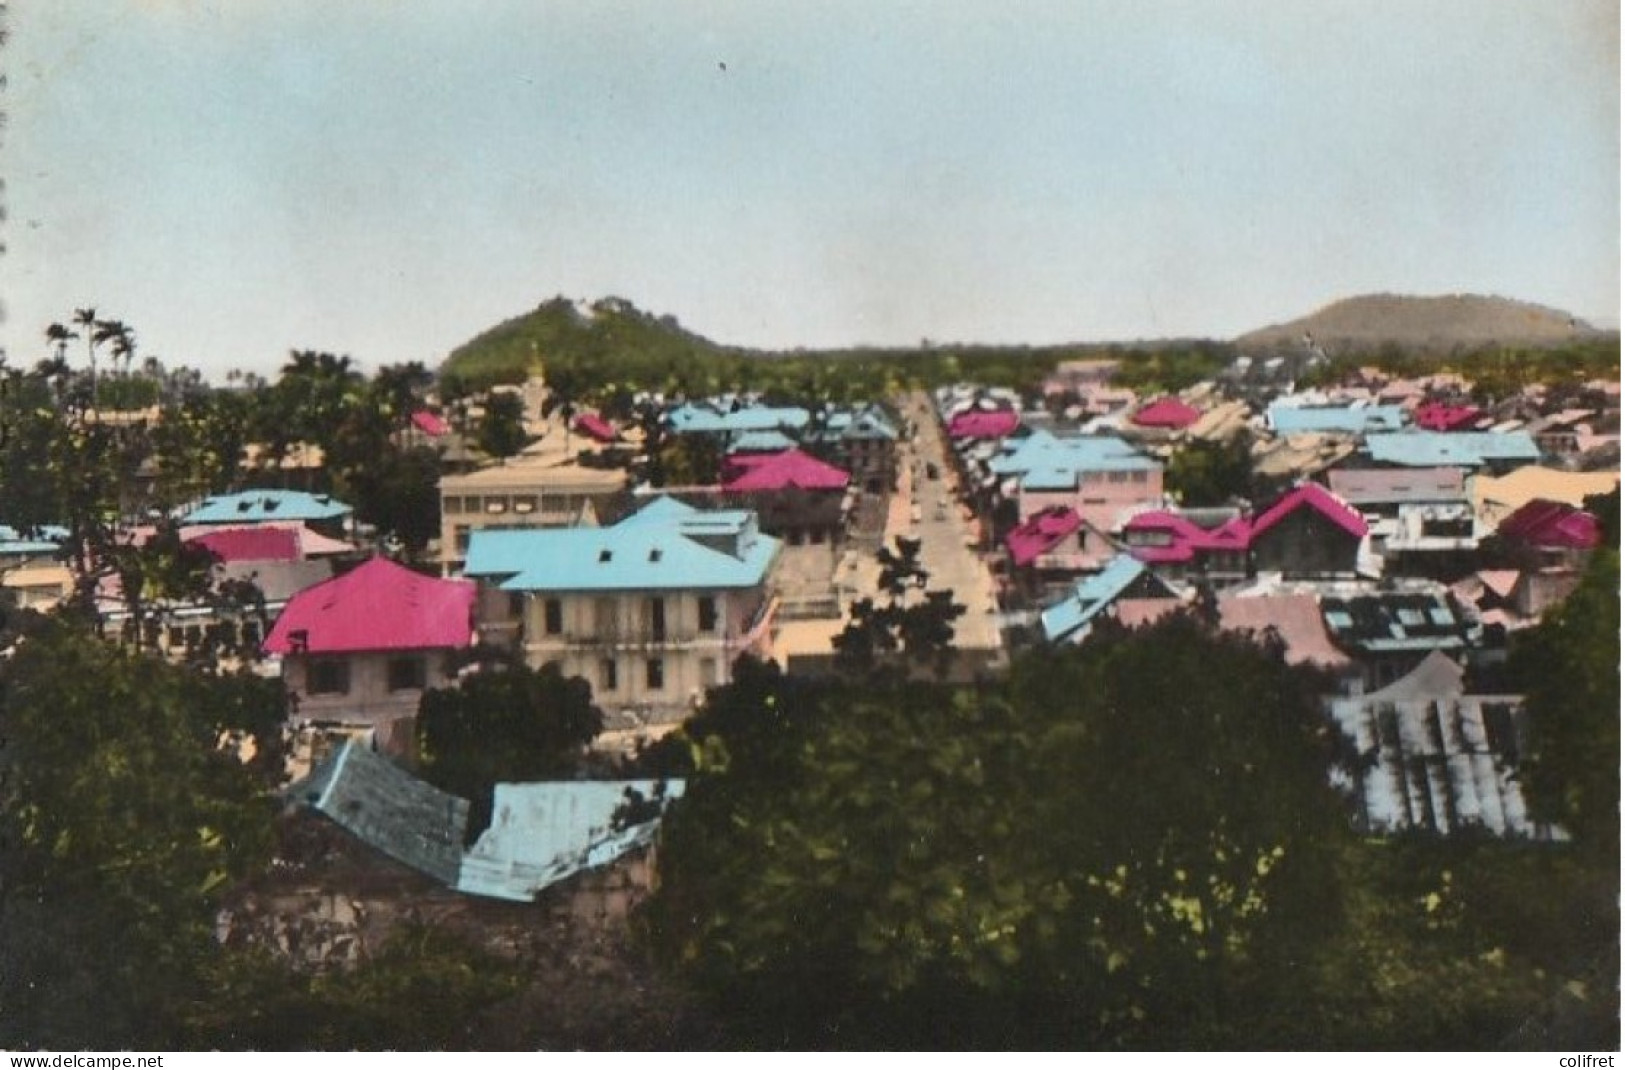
359, 650
550, 491
1101, 477
651, 611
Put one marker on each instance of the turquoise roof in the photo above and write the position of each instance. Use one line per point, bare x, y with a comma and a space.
1335, 419
252, 506
46, 539
1467, 449
762, 442
543, 833
868, 423
1047, 462
1092, 595
661, 547
708, 418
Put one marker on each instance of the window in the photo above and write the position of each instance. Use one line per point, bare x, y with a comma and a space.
603, 618
451, 505
554, 503
524, 503
1117, 477
462, 538
708, 613
655, 674
657, 619
1138, 477
407, 674
176, 636
607, 676
708, 672
328, 678
553, 613
496, 505
250, 633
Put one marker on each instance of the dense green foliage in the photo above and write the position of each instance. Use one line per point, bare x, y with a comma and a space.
1107, 850
125, 816
504, 722
1203, 473
1103, 851
1496, 372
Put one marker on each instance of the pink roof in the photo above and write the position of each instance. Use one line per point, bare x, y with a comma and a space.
378, 606
1438, 416
1167, 412
595, 426
1316, 497
1499, 580
311, 543
429, 423
781, 471
1134, 612
1040, 533
981, 424
255, 543
1295, 617
1552, 524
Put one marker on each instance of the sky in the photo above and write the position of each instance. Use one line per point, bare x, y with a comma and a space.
386, 178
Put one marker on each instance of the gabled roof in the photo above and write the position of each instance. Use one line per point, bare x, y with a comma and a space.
666, 545
388, 809
1553, 525
596, 427
542, 833
1311, 496
1185, 538
1286, 418
978, 423
253, 506
377, 606
1041, 533
1469, 449
1499, 495
1167, 412
868, 422
1068, 617
791, 469
1440, 416
430, 424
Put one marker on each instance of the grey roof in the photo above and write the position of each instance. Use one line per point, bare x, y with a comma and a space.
1398, 620
389, 809
1434, 758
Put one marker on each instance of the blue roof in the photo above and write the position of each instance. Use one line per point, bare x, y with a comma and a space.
545, 832
251, 506
1092, 595
1467, 449
696, 417
46, 539
868, 423
762, 442
1046, 462
661, 547
1289, 419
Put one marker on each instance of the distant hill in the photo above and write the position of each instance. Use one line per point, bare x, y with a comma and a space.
1456, 321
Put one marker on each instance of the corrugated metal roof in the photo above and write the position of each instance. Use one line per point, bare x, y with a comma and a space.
781, 471
543, 833
1289, 419
1090, 597
762, 442
1048, 462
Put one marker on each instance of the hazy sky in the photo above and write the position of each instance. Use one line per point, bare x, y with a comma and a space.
237, 178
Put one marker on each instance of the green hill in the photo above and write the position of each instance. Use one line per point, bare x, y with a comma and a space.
605, 350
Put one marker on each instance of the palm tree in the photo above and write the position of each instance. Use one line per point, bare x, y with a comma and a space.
86, 318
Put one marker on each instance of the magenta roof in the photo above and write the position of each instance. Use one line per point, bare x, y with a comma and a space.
595, 426
1552, 524
1315, 497
1186, 538
981, 424
1438, 416
257, 543
1040, 533
1167, 412
429, 423
782, 471
377, 606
